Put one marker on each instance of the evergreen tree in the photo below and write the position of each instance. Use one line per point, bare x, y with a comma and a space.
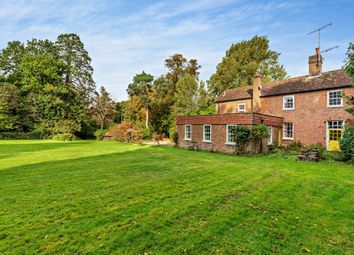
186, 92
141, 88
10, 60
78, 70
103, 109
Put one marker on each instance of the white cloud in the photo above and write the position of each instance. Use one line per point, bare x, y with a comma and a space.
124, 38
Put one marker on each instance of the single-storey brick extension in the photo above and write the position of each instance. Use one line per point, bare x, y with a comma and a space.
309, 109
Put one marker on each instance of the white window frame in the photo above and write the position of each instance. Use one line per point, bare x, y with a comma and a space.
270, 138
227, 134
293, 131
240, 110
205, 140
284, 102
185, 132
341, 100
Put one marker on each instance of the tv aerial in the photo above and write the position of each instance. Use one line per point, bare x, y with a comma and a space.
329, 49
318, 30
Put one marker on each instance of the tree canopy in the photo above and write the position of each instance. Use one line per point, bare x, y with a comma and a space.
54, 79
349, 69
242, 61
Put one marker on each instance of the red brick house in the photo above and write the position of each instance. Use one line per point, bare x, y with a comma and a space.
309, 109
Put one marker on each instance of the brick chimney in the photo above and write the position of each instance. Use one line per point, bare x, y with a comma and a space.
256, 93
315, 63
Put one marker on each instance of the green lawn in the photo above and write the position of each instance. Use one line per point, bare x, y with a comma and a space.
91, 197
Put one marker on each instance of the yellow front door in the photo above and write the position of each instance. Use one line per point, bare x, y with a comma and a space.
335, 130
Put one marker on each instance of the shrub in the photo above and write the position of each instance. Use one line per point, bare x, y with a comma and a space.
175, 138
17, 135
347, 144
66, 127
40, 133
99, 134
146, 133
259, 132
126, 132
64, 137
242, 137
294, 146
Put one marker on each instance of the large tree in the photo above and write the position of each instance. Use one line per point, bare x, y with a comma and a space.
141, 88
10, 60
161, 106
13, 115
178, 66
103, 109
186, 94
55, 78
349, 69
241, 63
78, 70
204, 102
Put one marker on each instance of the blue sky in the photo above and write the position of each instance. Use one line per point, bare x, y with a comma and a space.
126, 37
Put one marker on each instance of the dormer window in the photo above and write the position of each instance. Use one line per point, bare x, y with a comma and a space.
288, 103
241, 108
335, 98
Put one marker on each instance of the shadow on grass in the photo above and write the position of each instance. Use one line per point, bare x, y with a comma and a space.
8, 150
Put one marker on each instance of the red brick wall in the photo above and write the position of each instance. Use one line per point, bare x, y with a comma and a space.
231, 107
218, 139
310, 114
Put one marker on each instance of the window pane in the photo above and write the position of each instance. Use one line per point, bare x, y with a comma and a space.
335, 98
207, 133
188, 132
288, 102
270, 135
288, 130
231, 133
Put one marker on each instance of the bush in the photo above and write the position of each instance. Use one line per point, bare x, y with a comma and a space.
66, 127
175, 138
17, 135
126, 132
99, 134
146, 134
294, 146
64, 137
259, 132
41, 133
242, 137
347, 144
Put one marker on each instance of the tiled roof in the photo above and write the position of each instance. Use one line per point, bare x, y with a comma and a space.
327, 80
235, 94
230, 118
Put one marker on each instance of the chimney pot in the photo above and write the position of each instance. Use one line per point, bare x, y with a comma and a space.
256, 104
315, 63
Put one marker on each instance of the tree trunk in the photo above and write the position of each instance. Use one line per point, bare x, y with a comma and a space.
147, 117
